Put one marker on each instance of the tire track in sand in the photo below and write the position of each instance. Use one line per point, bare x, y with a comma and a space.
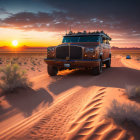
56, 122
86, 126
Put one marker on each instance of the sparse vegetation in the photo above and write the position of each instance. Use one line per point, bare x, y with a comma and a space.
32, 68
124, 111
32, 63
25, 63
127, 110
12, 78
132, 91
20, 63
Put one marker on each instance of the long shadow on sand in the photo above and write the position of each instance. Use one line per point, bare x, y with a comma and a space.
118, 77
132, 129
27, 100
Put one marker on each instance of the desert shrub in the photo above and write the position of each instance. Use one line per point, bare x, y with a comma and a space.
32, 68
7, 61
25, 63
123, 111
33, 62
13, 78
132, 91
15, 59
19, 63
12, 62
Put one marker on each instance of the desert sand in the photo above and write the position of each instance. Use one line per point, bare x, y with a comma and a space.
70, 105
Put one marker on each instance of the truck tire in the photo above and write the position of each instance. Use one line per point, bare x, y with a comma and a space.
108, 63
52, 70
97, 70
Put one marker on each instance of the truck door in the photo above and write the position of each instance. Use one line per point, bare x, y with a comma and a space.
104, 48
101, 47
107, 49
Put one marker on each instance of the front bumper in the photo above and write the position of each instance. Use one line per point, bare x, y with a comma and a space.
73, 63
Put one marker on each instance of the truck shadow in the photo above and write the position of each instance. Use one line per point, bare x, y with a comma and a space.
117, 77
27, 100
131, 128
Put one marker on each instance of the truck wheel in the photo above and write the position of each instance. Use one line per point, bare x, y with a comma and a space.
108, 63
98, 70
52, 70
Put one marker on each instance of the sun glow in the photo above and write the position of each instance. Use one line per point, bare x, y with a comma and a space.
15, 43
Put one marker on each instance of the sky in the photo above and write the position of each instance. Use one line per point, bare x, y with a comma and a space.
43, 23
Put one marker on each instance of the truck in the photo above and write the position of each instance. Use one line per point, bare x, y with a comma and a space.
88, 50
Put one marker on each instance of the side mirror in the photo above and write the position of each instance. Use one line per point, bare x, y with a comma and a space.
104, 41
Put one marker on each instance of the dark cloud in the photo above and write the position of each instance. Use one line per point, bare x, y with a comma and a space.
3, 11
37, 21
98, 7
112, 15
110, 11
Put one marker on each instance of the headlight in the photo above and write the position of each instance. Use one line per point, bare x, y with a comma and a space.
50, 49
89, 53
90, 50
50, 52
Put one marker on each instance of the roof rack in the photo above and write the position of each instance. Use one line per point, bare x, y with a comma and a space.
88, 33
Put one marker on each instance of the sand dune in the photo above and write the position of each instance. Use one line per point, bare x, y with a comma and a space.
70, 106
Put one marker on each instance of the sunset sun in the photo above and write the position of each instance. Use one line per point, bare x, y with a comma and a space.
15, 43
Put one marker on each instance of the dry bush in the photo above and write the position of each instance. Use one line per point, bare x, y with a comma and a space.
123, 111
13, 78
132, 91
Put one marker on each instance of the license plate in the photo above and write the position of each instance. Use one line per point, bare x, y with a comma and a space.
67, 65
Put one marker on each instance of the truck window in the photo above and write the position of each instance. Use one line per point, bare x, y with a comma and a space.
70, 39
101, 39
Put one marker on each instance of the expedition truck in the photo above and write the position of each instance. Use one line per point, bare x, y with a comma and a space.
89, 50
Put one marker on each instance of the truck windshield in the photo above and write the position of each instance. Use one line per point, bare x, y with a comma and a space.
70, 39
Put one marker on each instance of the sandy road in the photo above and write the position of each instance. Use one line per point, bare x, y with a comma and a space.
55, 102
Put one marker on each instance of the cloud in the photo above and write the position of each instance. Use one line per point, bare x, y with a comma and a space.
55, 21
110, 11
111, 15
101, 8
3, 12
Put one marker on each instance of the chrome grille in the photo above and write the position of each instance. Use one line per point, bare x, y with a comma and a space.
63, 51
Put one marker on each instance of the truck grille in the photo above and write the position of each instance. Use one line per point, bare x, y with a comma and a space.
63, 51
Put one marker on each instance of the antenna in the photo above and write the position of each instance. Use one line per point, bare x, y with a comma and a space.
70, 28
66, 31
